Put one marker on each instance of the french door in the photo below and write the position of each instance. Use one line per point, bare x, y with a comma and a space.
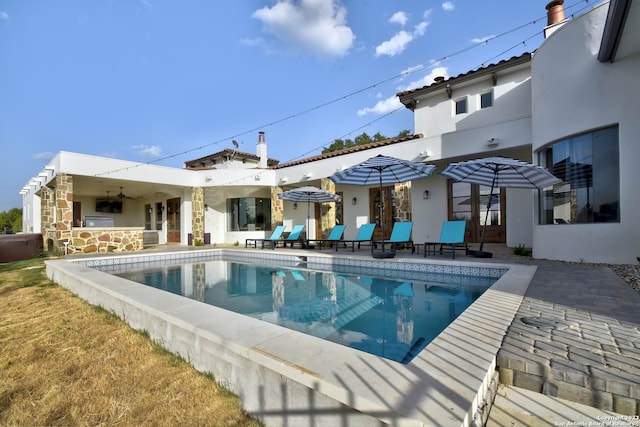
173, 220
387, 211
470, 202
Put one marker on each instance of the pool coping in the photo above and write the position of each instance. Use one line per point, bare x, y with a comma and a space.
445, 384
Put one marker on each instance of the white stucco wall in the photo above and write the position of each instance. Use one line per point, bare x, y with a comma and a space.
449, 137
574, 93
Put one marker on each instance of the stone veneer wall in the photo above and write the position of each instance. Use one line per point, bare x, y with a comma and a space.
197, 215
403, 202
64, 206
277, 207
327, 210
89, 240
47, 225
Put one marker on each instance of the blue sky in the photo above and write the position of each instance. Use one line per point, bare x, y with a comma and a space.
169, 81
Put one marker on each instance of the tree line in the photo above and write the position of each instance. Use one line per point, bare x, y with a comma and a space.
11, 221
362, 139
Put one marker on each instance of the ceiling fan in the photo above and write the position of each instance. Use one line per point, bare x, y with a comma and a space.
121, 195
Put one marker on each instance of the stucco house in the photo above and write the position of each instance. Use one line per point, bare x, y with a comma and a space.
571, 105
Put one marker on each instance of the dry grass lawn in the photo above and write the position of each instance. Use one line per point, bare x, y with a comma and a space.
64, 362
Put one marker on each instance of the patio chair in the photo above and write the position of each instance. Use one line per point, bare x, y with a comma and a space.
400, 235
292, 238
333, 237
451, 236
365, 235
276, 235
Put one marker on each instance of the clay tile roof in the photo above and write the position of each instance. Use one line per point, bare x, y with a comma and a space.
350, 150
525, 57
193, 164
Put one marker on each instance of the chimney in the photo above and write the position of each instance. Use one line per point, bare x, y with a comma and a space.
555, 12
261, 150
555, 16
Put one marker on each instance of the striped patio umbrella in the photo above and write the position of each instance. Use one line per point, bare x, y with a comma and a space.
499, 172
382, 170
309, 194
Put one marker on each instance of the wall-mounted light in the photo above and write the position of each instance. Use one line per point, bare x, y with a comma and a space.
492, 142
162, 208
354, 201
150, 210
295, 206
206, 207
425, 154
307, 175
425, 195
284, 179
449, 90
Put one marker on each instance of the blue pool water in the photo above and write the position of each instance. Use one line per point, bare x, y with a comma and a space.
392, 317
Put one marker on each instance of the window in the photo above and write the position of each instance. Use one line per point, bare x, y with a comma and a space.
249, 214
589, 167
486, 99
461, 106
147, 217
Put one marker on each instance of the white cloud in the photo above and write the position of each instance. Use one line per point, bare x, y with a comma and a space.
45, 156
448, 6
399, 18
318, 26
482, 40
147, 150
393, 103
427, 79
398, 43
420, 29
382, 107
4, 16
395, 45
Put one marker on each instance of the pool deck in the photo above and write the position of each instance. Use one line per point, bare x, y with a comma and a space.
571, 351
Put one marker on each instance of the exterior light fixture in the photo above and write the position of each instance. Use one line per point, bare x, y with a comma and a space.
425, 195
295, 206
354, 201
206, 207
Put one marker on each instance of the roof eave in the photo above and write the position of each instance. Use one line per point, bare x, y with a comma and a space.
408, 98
613, 28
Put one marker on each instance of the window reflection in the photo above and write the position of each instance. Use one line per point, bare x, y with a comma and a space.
249, 214
588, 165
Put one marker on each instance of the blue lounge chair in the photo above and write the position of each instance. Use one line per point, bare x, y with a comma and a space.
365, 235
333, 237
400, 235
292, 238
451, 236
276, 235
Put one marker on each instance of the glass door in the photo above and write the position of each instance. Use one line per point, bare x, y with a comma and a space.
173, 220
471, 202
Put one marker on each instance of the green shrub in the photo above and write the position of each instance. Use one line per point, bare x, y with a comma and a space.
522, 250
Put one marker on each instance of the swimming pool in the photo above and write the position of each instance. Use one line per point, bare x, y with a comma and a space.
391, 317
284, 377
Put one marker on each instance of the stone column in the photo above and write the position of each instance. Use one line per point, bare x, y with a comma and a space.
327, 210
197, 215
64, 207
47, 215
277, 207
403, 202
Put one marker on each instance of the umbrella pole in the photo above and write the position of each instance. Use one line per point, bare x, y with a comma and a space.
308, 217
381, 210
486, 217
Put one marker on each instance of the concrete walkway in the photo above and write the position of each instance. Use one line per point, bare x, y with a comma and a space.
576, 337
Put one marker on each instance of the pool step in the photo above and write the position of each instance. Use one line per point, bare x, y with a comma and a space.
518, 407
